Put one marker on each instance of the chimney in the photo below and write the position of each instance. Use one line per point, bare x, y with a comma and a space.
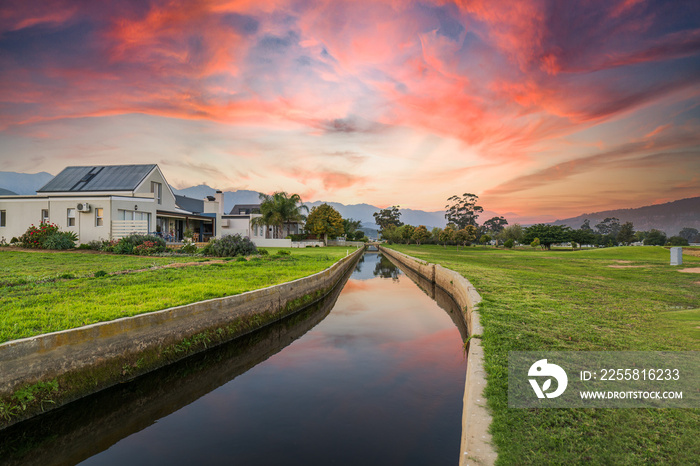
219, 196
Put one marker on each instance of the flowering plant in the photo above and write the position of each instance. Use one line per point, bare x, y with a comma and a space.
35, 237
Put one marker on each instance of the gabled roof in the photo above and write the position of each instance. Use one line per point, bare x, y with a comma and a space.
7, 192
187, 203
98, 178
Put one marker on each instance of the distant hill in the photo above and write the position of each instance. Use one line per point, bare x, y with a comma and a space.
23, 183
670, 217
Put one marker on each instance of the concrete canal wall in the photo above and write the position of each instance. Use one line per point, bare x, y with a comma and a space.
94, 357
476, 441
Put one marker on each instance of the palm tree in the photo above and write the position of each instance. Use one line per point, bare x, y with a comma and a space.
279, 209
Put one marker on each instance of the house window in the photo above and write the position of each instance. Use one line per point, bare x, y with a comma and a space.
44, 215
71, 217
157, 189
99, 217
3, 218
134, 215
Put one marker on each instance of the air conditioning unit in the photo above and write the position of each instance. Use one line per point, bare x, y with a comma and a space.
83, 207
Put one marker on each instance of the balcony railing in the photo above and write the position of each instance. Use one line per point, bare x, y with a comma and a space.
122, 228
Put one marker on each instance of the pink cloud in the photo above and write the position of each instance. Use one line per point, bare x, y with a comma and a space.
513, 83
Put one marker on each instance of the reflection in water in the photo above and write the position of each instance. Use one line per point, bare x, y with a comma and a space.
378, 381
386, 269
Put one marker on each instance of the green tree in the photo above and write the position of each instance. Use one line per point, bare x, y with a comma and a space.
677, 241
447, 235
514, 232
655, 238
420, 234
582, 236
387, 217
495, 225
609, 227
350, 226
626, 234
690, 234
485, 239
641, 235
465, 236
359, 235
435, 235
325, 220
462, 210
406, 233
586, 225
280, 210
391, 234
548, 234
535, 243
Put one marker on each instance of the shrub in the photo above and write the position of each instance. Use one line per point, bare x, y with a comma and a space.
35, 236
265, 252
282, 252
95, 245
14, 240
100, 273
60, 240
108, 246
123, 247
140, 244
509, 243
535, 243
146, 248
188, 247
230, 246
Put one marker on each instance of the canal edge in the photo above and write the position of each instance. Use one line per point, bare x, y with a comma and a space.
97, 354
476, 445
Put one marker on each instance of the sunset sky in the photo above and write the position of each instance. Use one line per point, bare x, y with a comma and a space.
541, 108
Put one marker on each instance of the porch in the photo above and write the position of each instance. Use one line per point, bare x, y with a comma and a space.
172, 226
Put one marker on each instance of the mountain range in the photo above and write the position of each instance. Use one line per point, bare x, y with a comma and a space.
23, 183
670, 217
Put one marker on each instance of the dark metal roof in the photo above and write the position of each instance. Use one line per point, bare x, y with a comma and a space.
188, 203
98, 178
167, 213
244, 209
7, 192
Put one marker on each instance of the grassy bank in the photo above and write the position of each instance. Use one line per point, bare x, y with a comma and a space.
46, 292
605, 299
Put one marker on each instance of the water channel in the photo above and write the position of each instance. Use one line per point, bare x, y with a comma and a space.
374, 374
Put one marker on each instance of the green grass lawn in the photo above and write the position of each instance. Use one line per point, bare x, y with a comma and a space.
567, 300
34, 299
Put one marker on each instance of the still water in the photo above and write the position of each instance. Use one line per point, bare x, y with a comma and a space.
373, 375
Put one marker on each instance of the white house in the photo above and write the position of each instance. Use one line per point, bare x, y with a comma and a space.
239, 221
109, 202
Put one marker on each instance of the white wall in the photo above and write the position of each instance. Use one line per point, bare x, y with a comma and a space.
22, 212
167, 199
272, 243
